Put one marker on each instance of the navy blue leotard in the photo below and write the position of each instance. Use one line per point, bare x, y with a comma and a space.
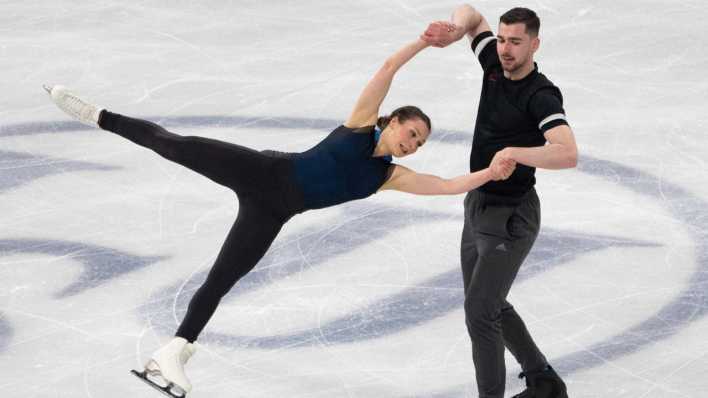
340, 168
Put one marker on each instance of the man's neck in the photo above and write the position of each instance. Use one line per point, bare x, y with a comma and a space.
520, 73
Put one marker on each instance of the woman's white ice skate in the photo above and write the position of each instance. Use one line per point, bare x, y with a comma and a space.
164, 371
74, 106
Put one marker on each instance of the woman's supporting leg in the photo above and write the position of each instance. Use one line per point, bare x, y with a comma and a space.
250, 237
231, 165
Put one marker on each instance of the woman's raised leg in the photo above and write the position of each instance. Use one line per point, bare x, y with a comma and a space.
231, 165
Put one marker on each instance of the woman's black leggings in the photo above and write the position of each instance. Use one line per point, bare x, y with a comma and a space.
267, 199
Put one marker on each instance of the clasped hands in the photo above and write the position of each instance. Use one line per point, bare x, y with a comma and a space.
502, 165
442, 34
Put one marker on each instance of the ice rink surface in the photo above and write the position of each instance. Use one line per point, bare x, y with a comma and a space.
102, 243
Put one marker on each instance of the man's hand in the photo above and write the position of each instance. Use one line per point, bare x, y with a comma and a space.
503, 165
442, 34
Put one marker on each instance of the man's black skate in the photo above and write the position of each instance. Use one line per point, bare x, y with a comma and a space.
543, 384
169, 389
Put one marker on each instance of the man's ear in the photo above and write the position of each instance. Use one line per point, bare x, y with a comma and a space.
535, 43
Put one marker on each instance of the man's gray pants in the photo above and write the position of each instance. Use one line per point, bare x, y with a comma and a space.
498, 234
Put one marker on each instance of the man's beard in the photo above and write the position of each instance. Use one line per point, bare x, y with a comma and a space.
513, 67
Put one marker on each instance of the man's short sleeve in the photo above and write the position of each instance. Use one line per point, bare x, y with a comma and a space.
546, 106
484, 46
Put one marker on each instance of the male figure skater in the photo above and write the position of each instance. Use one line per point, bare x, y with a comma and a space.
520, 119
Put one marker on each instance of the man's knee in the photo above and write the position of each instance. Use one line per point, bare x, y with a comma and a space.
506, 306
483, 316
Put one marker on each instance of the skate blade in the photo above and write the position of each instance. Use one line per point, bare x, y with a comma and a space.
167, 390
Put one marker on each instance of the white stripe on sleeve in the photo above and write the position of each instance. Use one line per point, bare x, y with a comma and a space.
555, 116
483, 43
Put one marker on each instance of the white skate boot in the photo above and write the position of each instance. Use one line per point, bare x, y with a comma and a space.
165, 369
74, 106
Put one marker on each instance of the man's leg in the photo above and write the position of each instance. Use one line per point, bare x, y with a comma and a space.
519, 342
495, 242
524, 224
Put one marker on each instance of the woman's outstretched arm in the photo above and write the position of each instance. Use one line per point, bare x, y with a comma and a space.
406, 180
366, 110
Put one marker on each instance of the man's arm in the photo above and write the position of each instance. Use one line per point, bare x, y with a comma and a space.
465, 20
561, 152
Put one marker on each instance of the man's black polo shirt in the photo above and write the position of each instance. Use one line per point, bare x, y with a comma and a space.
511, 113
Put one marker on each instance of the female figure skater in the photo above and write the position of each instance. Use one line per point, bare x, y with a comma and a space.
352, 162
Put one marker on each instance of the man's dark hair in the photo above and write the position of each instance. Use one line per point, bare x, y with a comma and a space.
524, 16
